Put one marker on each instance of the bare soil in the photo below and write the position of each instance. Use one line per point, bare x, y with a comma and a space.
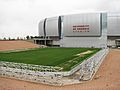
13, 45
107, 78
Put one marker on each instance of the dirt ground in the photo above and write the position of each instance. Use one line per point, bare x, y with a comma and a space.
107, 78
13, 45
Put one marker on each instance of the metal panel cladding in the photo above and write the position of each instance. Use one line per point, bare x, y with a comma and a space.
82, 24
52, 26
40, 28
114, 24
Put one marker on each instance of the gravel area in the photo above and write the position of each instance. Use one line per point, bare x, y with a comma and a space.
13, 45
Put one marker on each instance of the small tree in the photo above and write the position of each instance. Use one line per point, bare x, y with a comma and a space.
27, 37
4, 38
31, 37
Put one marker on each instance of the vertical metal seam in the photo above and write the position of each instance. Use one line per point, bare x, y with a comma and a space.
59, 27
44, 27
101, 21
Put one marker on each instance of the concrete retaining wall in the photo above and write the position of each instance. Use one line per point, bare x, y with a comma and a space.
86, 69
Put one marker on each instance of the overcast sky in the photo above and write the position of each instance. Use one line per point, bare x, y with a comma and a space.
19, 18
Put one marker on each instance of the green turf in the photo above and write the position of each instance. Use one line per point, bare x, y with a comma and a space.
62, 57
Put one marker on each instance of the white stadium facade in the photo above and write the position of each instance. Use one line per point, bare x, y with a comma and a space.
97, 30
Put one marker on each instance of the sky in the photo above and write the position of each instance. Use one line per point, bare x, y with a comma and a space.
19, 18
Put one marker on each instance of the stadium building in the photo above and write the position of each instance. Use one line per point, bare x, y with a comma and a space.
113, 29
80, 30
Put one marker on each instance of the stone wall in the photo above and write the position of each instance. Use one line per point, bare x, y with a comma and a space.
86, 69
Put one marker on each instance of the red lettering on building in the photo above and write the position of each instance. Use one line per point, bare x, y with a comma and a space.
81, 28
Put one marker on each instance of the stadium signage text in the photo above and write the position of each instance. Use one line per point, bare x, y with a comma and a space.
81, 28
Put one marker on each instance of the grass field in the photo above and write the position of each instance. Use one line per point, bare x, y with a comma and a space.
61, 57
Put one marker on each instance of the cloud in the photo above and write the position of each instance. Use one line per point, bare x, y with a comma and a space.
21, 17
109, 5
